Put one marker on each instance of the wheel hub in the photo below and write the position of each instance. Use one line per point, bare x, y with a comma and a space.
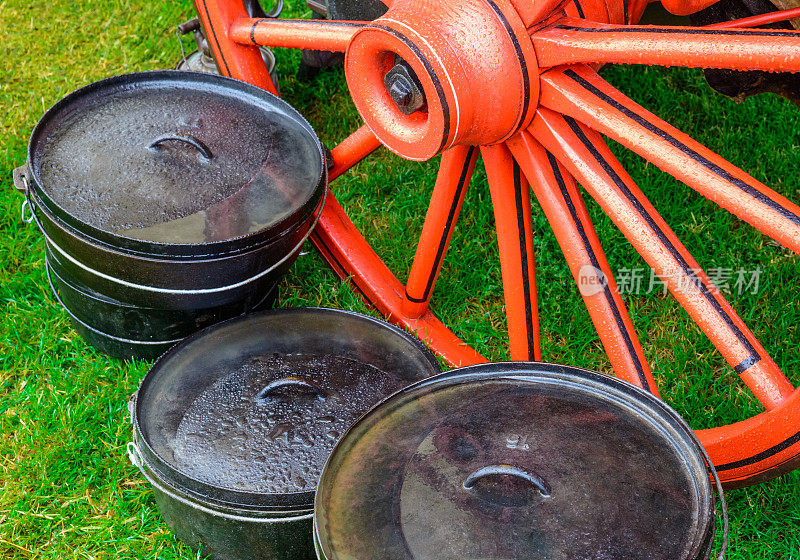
476, 70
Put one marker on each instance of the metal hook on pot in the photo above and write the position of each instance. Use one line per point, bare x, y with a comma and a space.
132, 406
178, 34
21, 183
20, 177
254, 9
276, 10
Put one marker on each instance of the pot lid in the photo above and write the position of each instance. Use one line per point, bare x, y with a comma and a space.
174, 157
516, 461
249, 410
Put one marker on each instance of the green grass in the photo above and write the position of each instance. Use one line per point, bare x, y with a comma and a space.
66, 489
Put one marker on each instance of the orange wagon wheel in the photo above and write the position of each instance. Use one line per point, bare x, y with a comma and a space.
514, 81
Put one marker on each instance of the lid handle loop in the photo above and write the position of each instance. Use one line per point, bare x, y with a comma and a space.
204, 151
507, 470
290, 386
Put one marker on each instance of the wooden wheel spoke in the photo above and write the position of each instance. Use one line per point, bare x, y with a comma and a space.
350, 255
573, 40
753, 21
314, 34
562, 203
452, 180
582, 94
586, 156
361, 143
512, 210
343, 246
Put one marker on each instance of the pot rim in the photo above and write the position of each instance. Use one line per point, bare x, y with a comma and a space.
229, 496
279, 257
229, 510
37, 206
161, 249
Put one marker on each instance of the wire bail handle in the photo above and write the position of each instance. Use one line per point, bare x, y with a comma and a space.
723, 504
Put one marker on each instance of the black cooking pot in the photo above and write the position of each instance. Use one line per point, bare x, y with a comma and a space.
517, 461
125, 330
174, 190
233, 425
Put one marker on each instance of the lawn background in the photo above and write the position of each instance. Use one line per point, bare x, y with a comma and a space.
66, 489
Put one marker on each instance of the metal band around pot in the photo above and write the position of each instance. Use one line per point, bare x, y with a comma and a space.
50, 272
101, 333
135, 458
119, 281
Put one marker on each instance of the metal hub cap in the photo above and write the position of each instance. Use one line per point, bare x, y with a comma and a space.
453, 48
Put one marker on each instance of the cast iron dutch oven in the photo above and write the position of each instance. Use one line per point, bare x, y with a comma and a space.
173, 190
141, 332
233, 425
520, 461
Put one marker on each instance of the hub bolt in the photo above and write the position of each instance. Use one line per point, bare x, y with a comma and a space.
404, 88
